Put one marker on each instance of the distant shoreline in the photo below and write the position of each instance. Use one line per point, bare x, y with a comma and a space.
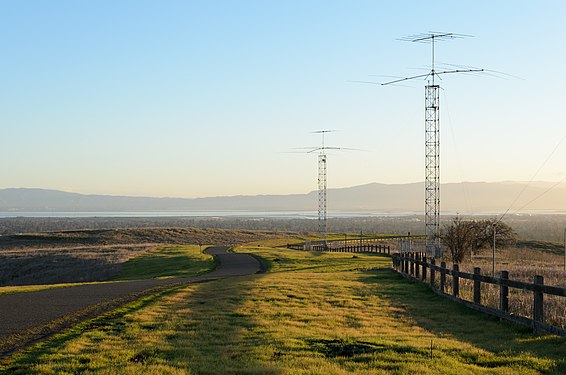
248, 214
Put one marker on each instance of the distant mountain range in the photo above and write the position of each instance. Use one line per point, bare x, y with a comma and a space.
461, 197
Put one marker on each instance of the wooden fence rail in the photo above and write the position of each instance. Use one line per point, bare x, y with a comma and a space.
353, 247
416, 266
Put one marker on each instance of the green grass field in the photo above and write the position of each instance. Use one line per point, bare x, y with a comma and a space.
36, 288
167, 262
310, 313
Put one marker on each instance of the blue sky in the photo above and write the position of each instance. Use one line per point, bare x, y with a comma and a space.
203, 98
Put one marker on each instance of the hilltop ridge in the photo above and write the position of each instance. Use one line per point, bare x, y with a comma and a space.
464, 197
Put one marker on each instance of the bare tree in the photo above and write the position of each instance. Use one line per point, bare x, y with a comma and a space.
504, 234
460, 238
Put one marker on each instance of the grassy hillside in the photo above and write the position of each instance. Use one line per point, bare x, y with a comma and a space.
311, 313
99, 255
166, 262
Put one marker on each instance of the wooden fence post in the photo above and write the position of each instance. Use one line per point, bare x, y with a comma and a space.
477, 286
455, 280
504, 292
538, 302
432, 272
417, 265
442, 276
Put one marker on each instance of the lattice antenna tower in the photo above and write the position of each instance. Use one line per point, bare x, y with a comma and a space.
432, 137
322, 157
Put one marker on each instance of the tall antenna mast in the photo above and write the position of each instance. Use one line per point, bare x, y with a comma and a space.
432, 138
322, 217
322, 158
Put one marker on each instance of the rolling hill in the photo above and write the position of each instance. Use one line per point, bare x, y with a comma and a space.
462, 197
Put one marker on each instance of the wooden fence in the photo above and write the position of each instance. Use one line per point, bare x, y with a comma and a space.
417, 267
296, 246
345, 246
362, 248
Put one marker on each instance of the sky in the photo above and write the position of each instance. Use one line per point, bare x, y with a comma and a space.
207, 98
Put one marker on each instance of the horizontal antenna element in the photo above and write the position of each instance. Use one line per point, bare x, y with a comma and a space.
433, 74
431, 36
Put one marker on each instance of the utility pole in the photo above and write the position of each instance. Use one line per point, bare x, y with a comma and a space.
493, 251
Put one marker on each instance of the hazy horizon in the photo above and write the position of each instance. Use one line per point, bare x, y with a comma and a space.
552, 184
470, 197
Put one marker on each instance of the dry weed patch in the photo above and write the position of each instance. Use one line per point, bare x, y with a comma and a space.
523, 265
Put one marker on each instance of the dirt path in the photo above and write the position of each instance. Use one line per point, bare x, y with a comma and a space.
30, 316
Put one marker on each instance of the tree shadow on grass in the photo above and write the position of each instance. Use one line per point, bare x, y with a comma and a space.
443, 318
218, 335
113, 323
205, 330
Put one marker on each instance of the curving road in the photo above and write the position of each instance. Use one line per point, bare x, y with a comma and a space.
30, 316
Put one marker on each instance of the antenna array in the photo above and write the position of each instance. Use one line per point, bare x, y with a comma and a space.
322, 217
432, 137
322, 158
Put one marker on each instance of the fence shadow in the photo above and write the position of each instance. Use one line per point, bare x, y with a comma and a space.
443, 318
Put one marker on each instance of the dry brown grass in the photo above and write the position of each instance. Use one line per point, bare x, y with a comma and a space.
523, 264
180, 236
31, 266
